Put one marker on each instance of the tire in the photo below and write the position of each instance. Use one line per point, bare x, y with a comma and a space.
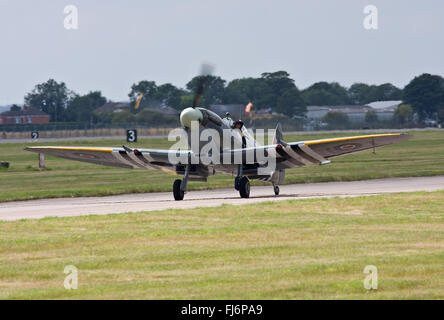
178, 194
276, 190
236, 183
244, 187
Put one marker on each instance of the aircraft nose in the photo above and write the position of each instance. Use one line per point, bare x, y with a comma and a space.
188, 115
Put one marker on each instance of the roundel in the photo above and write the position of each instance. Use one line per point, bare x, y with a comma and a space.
347, 146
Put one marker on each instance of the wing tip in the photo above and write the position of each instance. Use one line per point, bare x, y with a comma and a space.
32, 149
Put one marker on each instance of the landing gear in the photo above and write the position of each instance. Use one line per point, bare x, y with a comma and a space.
177, 192
238, 177
276, 190
180, 186
236, 183
244, 187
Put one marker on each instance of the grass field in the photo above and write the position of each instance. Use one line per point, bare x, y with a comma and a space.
423, 155
296, 249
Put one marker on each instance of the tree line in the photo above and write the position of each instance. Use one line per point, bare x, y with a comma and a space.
424, 95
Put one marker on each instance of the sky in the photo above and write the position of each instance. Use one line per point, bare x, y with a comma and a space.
118, 42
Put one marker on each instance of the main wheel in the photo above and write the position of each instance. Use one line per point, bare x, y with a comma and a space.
276, 190
178, 194
244, 187
236, 183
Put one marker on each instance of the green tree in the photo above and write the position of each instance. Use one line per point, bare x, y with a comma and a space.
239, 91
156, 118
358, 93
186, 100
324, 94
291, 103
123, 117
389, 92
169, 95
371, 117
425, 94
441, 114
255, 90
336, 120
361, 93
81, 108
50, 97
15, 107
149, 90
104, 117
278, 83
403, 114
383, 92
273, 90
214, 89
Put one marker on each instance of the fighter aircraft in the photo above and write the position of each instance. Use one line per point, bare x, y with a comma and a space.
190, 163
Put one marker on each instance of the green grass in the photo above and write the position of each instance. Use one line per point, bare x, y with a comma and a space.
421, 156
296, 249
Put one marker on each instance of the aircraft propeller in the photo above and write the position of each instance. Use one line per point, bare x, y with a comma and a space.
206, 70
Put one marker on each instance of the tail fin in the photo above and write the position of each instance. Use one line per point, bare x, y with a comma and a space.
279, 136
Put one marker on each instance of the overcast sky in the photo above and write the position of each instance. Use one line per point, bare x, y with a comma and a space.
121, 42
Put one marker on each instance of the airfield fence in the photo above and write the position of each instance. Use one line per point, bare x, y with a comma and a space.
68, 130
74, 130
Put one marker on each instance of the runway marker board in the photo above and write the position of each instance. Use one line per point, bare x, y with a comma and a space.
131, 135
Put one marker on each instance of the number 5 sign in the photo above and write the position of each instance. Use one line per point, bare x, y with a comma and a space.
131, 135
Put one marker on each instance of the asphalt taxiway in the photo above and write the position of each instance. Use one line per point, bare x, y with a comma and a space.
64, 207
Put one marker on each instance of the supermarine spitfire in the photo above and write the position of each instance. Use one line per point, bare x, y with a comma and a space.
242, 156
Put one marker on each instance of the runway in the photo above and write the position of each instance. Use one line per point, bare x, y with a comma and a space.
65, 207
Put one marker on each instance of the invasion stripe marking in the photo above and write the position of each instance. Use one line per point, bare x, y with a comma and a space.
122, 159
297, 156
306, 149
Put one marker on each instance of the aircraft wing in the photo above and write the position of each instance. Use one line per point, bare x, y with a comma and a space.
303, 153
116, 157
339, 146
287, 155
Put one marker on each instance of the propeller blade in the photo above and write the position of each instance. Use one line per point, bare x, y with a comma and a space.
206, 70
199, 91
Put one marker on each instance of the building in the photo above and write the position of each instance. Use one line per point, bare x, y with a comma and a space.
24, 116
385, 109
114, 107
165, 110
126, 106
356, 113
